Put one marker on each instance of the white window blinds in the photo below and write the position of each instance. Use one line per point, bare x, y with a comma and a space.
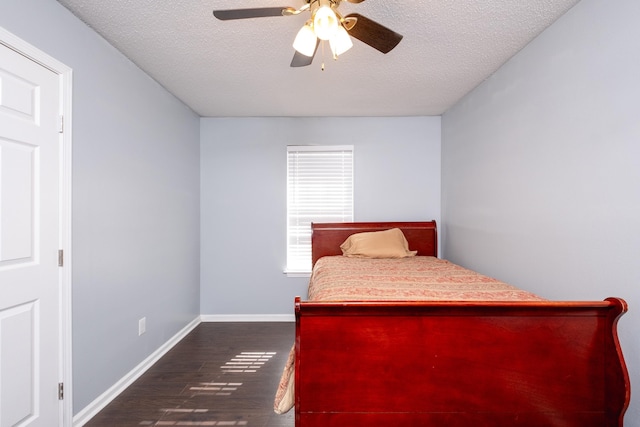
319, 189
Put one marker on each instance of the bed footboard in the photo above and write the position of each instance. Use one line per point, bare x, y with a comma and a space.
460, 364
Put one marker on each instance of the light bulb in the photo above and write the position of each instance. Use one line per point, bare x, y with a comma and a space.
340, 42
325, 22
305, 41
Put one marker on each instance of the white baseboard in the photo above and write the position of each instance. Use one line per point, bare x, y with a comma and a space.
82, 417
248, 317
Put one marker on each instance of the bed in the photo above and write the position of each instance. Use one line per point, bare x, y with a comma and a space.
494, 356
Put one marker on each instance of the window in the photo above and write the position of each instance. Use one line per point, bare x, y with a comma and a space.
319, 189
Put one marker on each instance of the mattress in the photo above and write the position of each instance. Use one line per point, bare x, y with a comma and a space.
419, 278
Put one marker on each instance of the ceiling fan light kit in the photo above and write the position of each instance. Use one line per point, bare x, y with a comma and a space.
325, 21
326, 24
340, 42
305, 41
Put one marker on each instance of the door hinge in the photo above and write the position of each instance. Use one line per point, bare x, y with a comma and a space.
60, 124
60, 391
60, 258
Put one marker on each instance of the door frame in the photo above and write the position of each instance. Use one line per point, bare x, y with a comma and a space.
65, 75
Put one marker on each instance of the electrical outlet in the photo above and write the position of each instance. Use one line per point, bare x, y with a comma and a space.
142, 326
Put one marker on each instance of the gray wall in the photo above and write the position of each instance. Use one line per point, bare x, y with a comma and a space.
135, 200
243, 204
541, 167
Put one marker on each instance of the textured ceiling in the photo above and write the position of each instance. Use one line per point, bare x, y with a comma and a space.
241, 67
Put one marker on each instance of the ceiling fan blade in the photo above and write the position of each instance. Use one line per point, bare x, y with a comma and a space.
258, 12
375, 35
355, 1
300, 60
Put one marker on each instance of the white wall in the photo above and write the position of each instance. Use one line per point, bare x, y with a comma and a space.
541, 167
135, 200
243, 204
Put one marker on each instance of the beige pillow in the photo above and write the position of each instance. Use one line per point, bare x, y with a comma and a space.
377, 244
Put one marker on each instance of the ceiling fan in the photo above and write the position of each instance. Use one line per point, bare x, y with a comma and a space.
325, 24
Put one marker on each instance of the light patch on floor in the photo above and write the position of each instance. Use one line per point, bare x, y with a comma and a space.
247, 362
218, 389
196, 423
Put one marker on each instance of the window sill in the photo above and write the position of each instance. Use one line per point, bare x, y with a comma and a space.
297, 273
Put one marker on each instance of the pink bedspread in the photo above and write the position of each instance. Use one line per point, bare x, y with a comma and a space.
419, 278
339, 278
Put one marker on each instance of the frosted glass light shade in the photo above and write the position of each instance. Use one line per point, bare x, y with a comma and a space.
305, 41
325, 23
340, 42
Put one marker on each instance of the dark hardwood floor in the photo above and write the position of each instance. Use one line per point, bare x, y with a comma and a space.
221, 374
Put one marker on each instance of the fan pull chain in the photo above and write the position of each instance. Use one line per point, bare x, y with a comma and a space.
322, 56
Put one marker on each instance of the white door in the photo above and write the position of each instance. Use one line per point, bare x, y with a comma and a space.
30, 353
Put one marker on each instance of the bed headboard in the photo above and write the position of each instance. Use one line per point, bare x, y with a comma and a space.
326, 238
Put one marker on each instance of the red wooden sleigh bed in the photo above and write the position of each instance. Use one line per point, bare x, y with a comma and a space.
448, 363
